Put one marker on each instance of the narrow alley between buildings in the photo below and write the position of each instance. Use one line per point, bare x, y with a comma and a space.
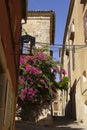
43, 81
61, 123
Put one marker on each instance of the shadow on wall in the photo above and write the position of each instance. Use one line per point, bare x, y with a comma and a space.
70, 111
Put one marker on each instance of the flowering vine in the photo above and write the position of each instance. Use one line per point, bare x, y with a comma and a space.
37, 75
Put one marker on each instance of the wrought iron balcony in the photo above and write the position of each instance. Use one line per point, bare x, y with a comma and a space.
27, 42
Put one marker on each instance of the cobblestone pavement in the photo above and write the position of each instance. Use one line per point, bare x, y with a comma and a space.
62, 124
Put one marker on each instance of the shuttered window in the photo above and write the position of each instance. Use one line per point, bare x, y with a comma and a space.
85, 26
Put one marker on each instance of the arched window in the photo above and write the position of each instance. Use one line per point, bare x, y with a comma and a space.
85, 26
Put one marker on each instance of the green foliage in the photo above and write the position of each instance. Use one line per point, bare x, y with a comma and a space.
37, 78
37, 84
63, 84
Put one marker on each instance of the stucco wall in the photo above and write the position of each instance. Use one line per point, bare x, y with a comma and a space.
78, 57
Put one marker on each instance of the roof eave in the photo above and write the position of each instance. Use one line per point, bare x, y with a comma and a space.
24, 9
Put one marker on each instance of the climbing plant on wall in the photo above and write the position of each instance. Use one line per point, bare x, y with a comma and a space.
37, 84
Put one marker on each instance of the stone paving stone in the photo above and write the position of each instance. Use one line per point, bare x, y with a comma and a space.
60, 124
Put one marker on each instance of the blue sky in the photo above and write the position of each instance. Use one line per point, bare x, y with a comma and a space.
60, 7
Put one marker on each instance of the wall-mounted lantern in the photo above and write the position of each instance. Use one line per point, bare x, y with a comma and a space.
27, 42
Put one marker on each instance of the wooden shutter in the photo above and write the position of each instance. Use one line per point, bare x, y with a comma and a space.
85, 26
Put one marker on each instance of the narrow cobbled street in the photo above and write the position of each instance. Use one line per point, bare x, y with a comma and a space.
59, 124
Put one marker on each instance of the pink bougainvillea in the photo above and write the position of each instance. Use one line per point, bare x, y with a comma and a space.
21, 60
37, 78
63, 71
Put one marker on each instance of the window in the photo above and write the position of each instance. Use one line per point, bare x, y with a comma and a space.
85, 26
26, 48
69, 75
73, 57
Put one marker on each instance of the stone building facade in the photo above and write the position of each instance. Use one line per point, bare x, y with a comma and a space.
11, 14
41, 25
74, 59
